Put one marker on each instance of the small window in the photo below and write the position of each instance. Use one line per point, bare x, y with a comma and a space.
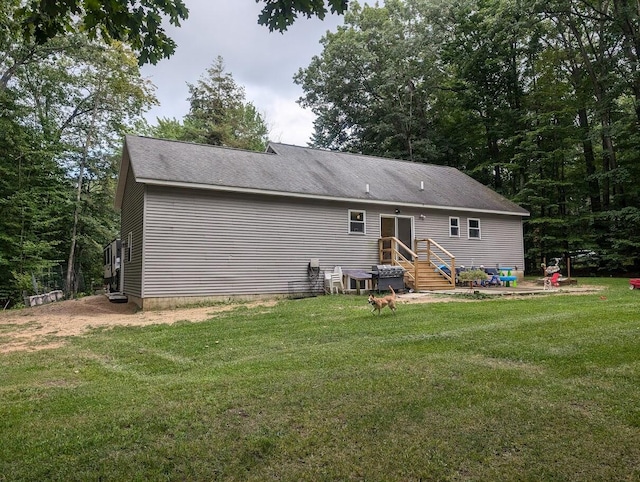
129, 247
474, 229
356, 222
454, 227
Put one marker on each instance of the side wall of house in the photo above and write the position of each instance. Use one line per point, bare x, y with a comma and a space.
204, 243
501, 241
132, 222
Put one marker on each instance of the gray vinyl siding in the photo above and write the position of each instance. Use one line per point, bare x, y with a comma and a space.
132, 218
202, 243
501, 242
205, 243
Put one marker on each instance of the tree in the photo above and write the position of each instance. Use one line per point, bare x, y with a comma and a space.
279, 14
218, 115
372, 88
64, 118
33, 196
139, 24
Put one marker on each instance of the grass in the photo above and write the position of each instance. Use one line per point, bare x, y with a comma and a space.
542, 388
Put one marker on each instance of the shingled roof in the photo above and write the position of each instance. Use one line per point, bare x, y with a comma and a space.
293, 171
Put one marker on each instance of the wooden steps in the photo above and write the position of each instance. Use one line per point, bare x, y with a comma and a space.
428, 254
428, 279
117, 297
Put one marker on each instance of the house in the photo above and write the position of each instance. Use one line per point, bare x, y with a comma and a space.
204, 222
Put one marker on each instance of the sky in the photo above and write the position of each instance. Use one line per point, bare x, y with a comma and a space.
263, 62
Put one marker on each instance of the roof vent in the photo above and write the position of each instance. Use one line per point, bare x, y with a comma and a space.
422, 185
366, 188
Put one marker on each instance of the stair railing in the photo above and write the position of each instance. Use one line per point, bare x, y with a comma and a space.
438, 258
393, 251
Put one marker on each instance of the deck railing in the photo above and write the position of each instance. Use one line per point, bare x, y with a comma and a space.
428, 255
438, 258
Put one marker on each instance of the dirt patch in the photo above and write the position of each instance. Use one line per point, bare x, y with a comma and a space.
46, 326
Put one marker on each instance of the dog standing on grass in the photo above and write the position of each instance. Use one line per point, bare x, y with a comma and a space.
379, 303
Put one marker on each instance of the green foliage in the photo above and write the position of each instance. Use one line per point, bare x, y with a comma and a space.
23, 283
279, 15
64, 107
472, 275
141, 24
111, 20
33, 193
373, 87
219, 115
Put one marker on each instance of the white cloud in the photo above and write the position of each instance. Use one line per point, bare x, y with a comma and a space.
263, 62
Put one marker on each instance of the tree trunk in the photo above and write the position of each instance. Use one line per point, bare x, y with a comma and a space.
71, 285
590, 162
627, 15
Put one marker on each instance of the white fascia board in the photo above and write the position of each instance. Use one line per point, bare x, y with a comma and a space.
245, 190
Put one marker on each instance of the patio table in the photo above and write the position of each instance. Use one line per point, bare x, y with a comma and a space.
359, 275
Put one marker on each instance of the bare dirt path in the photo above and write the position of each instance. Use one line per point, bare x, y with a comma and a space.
46, 326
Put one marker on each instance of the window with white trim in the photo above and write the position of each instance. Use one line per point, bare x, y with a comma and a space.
129, 247
107, 256
356, 222
474, 228
454, 227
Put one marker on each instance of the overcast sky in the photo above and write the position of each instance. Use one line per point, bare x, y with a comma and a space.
263, 62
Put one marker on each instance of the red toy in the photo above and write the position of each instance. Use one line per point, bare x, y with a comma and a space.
635, 284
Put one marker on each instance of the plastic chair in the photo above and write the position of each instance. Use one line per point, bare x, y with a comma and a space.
336, 280
552, 282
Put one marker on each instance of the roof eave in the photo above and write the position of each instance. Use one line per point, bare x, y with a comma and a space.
244, 190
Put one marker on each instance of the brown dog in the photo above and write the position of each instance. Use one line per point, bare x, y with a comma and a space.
379, 303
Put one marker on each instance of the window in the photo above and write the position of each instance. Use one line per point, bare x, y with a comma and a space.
107, 256
129, 247
454, 227
356, 222
474, 228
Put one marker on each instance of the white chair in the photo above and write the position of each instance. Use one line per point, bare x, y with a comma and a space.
336, 280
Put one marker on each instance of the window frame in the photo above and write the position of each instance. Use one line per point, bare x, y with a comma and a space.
107, 255
470, 228
451, 226
350, 221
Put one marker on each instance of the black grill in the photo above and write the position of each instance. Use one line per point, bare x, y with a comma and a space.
385, 275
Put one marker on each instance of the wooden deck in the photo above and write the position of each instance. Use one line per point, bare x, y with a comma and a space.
423, 267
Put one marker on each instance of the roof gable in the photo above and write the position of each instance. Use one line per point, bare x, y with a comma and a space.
294, 171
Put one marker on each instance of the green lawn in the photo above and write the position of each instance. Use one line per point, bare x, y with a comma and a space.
541, 388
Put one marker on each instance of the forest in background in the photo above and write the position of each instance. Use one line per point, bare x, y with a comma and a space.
538, 100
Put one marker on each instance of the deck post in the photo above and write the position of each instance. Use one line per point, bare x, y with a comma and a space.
453, 271
416, 263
